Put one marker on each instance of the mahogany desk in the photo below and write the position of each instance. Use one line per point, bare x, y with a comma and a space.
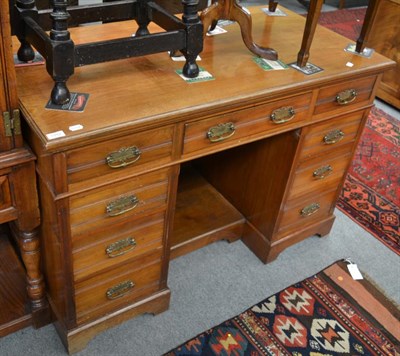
160, 167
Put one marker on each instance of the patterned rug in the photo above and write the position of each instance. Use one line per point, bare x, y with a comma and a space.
326, 314
347, 22
371, 192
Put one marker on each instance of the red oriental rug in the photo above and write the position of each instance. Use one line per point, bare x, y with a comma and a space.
346, 22
326, 314
371, 193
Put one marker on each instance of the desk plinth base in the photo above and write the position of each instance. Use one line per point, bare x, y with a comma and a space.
77, 339
267, 251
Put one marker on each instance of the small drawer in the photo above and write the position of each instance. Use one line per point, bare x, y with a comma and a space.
122, 285
344, 95
316, 175
124, 200
321, 138
119, 157
235, 128
304, 212
101, 249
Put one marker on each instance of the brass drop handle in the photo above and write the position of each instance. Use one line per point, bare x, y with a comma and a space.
310, 209
346, 97
282, 115
122, 205
323, 172
123, 157
333, 136
221, 132
120, 290
120, 247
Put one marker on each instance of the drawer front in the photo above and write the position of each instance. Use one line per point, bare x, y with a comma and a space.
234, 128
121, 201
121, 286
115, 244
316, 175
119, 157
344, 95
301, 213
329, 135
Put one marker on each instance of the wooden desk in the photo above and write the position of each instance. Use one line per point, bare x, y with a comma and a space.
108, 233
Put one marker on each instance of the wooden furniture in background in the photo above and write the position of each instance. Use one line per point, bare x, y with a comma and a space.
22, 295
156, 167
384, 38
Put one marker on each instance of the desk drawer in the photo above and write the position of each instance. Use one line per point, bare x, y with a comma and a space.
128, 199
329, 135
303, 212
122, 285
119, 157
234, 128
96, 251
321, 172
344, 95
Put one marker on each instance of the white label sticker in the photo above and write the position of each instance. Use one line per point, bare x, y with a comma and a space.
76, 127
354, 271
349, 64
216, 31
57, 134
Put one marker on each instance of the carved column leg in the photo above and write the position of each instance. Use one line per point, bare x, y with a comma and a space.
366, 27
26, 8
29, 247
309, 30
194, 37
60, 64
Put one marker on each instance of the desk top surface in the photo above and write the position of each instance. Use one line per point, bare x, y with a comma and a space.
141, 92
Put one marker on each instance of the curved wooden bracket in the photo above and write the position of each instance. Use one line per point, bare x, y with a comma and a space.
230, 10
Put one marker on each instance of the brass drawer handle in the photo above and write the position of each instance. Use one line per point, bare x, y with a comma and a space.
120, 247
221, 132
333, 136
122, 205
322, 172
346, 97
123, 157
310, 209
120, 290
282, 115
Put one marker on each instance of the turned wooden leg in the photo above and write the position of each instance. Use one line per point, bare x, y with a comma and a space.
61, 67
272, 5
194, 30
29, 246
25, 52
230, 10
25, 232
369, 18
309, 30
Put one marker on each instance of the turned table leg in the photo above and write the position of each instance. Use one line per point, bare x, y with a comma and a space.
230, 10
309, 30
25, 232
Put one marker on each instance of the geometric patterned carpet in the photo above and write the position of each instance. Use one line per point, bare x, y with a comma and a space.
326, 314
371, 192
